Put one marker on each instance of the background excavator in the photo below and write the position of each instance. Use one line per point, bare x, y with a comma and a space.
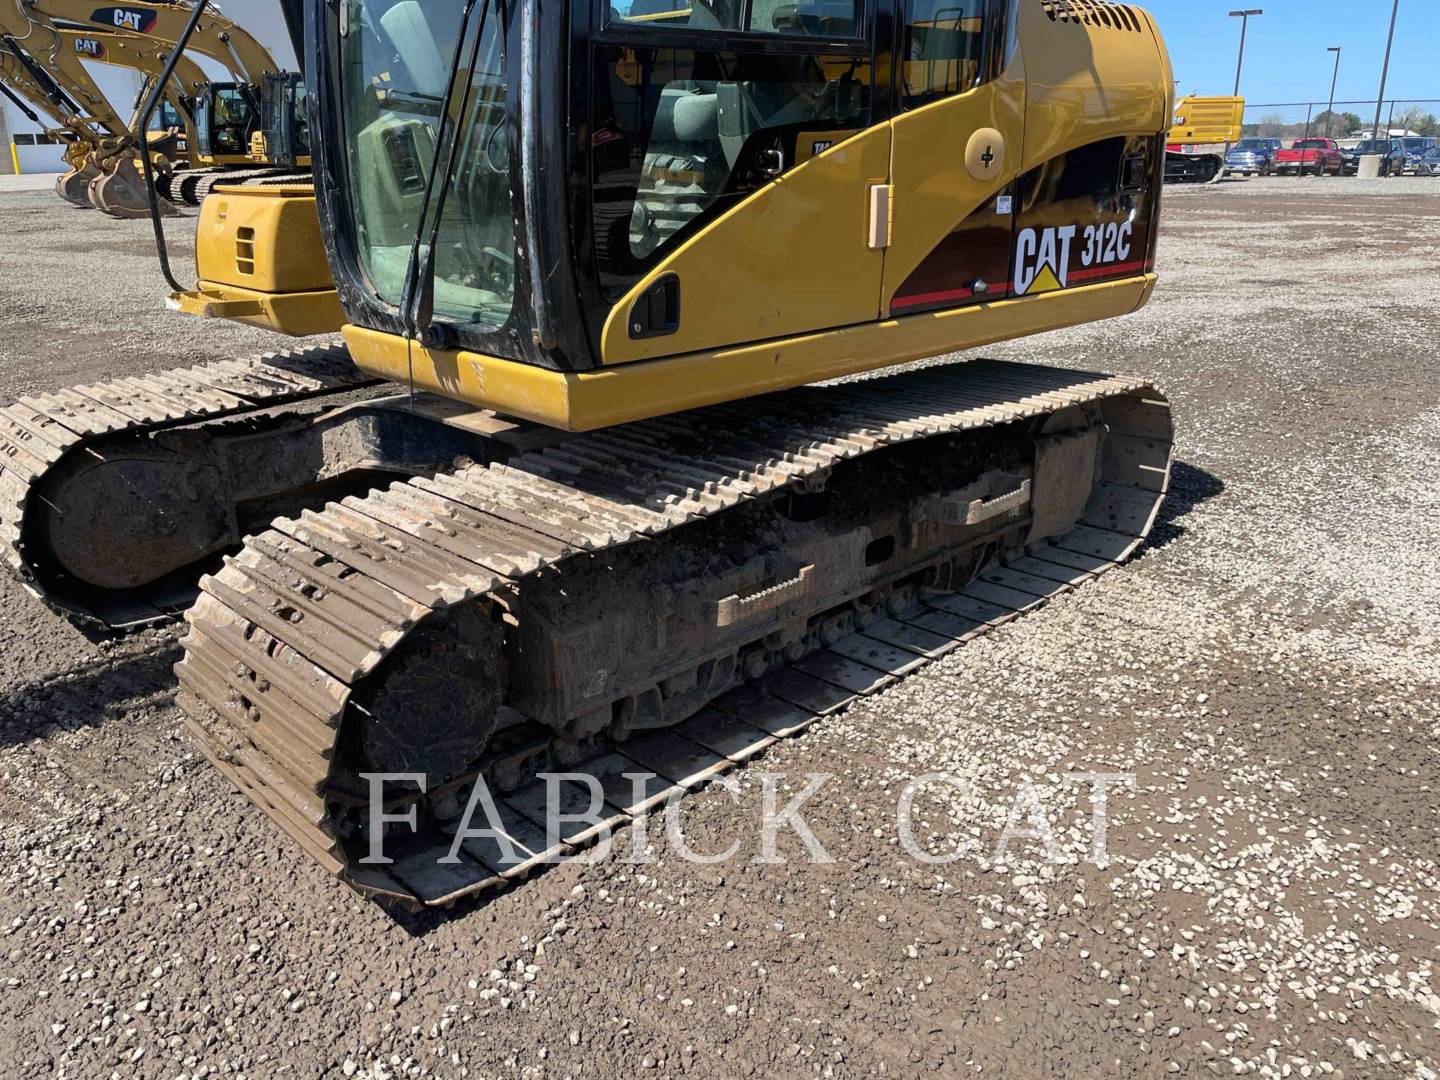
120, 190
1205, 127
252, 128
564, 499
44, 67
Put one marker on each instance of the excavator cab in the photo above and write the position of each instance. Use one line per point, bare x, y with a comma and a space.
227, 115
655, 204
283, 122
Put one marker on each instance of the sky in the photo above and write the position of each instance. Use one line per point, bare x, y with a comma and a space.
1285, 57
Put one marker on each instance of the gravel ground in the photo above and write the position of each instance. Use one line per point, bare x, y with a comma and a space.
1267, 671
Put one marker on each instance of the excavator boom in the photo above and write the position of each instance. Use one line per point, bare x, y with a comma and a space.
145, 55
215, 36
57, 71
43, 93
140, 54
39, 47
20, 86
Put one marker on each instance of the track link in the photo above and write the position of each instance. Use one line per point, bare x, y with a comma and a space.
40, 433
190, 186
194, 193
295, 630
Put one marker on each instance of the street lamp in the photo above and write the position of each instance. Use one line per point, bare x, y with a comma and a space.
1244, 17
1330, 112
1385, 72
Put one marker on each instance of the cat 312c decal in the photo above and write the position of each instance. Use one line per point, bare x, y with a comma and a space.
1043, 256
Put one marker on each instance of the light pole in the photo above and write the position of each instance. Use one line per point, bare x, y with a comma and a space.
1385, 71
1244, 17
1330, 112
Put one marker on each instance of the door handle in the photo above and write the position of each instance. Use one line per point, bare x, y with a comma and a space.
877, 235
772, 162
985, 154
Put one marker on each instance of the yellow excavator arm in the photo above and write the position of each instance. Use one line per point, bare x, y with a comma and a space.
215, 36
137, 53
41, 105
27, 41
147, 57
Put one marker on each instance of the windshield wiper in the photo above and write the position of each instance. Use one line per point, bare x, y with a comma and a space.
417, 96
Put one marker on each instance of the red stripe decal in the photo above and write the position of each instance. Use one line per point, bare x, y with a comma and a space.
1113, 270
945, 294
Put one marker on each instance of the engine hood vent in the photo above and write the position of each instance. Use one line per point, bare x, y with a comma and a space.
1098, 13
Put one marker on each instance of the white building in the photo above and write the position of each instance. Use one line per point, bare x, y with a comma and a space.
1394, 133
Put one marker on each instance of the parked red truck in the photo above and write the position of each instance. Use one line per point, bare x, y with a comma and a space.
1314, 157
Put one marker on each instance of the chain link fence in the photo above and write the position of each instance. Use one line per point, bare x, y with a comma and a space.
1347, 120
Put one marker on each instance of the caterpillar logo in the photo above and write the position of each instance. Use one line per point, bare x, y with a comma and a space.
90, 48
1042, 259
136, 20
1042, 256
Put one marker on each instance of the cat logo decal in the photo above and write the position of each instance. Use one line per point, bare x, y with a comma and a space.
136, 20
1042, 259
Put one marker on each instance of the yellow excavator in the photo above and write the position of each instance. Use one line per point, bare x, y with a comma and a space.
42, 65
249, 129
120, 189
567, 499
1202, 124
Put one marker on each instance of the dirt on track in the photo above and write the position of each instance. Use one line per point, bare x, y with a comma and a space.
1267, 670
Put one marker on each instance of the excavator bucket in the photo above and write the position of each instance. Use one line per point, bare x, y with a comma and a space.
74, 186
122, 192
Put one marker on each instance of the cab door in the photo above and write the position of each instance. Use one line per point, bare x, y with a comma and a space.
957, 143
738, 151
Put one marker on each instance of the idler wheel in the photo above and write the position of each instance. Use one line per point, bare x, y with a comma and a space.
433, 705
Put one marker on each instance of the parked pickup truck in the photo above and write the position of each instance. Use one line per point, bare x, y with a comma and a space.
1314, 157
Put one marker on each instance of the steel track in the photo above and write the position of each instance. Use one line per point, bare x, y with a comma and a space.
284, 637
38, 434
190, 186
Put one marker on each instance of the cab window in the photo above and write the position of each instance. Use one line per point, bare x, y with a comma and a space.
816, 18
166, 117
943, 49
680, 134
232, 121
